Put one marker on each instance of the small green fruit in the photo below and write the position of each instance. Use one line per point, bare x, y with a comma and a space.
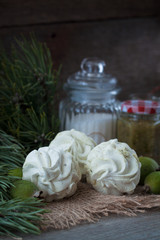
17, 172
148, 165
152, 181
23, 189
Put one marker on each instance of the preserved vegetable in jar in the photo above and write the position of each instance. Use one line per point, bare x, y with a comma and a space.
139, 125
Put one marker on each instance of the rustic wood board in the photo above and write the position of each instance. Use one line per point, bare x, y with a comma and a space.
143, 226
19, 12
129, 46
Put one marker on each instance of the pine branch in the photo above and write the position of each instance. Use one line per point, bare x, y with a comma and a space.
5, 184
19, 216
28, 113
12, 153
15, 215
11, 156
28, 89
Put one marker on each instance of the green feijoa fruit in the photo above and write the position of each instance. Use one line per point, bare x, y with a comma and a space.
148, 165
22, 189
152, 182
16, 172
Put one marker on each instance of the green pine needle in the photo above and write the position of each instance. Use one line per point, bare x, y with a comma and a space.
12, 155
19, 216
28, 120
28, 100
15, 215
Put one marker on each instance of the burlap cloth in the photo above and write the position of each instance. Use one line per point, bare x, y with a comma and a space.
88, 205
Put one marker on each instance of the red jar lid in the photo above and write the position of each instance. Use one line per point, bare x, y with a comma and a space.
141, 107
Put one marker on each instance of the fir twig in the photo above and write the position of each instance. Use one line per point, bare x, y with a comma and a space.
15, 215
12, 153
20, 216
28, 113
28, 90
11, 156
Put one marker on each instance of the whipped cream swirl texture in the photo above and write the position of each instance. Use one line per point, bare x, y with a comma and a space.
53, 171
113, 168
76, 143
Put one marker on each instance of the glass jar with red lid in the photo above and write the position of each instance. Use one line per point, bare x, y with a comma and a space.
139, 125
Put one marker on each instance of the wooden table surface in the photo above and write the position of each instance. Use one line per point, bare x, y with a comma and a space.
145, 226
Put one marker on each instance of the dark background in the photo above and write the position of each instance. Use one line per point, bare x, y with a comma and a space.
124, 33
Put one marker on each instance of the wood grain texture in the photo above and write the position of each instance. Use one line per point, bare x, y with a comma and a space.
20, 12
130, 48
142, 227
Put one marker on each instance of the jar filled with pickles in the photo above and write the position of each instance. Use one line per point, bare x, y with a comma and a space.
138, 125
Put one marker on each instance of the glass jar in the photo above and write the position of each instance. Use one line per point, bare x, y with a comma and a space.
89, 106
139, 125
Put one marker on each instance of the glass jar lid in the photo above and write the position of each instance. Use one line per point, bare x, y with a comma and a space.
92, 77
141, 107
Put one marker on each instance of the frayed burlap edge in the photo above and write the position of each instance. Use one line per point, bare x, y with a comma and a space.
88, 205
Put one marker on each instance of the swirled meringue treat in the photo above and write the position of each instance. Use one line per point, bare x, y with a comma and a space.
113, 168
75, 142
53, 171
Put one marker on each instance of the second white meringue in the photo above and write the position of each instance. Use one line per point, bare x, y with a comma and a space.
113, 168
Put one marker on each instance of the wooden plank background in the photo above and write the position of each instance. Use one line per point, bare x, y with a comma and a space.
20, 12
124, 33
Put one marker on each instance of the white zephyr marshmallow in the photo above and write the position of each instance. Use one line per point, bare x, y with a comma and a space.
113, 168
75, 142
53, 171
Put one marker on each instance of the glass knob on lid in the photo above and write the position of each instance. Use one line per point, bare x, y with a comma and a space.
92, 66
92, 76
